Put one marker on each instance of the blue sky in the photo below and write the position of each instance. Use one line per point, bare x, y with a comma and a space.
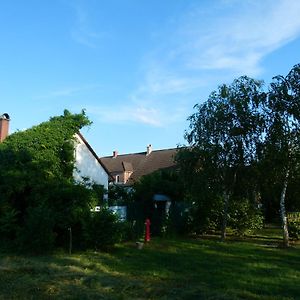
136, 66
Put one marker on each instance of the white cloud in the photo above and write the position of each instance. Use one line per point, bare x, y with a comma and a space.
237, 37
204, 45
228, 39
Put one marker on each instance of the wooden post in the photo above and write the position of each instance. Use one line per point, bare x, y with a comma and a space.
70, 240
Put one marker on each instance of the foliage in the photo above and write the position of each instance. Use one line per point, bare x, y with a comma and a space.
133, 230
244, 149
166, 182
281, 147
37, 234
119, 195
8, 224
294, 224
37, 180
102, 230
163, 182
201, 190
294, 230
178, 221
224, 136
244, 217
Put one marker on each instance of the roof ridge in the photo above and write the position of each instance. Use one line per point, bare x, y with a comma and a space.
143, 152
110, 156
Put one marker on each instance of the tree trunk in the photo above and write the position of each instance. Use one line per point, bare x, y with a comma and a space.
227, 193
283, 212
225, 216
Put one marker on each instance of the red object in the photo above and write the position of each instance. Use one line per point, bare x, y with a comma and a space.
147, 231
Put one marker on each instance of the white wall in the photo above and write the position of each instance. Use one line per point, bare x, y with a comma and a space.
86, 165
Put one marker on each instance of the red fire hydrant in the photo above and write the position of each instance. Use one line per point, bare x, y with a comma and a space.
147, 230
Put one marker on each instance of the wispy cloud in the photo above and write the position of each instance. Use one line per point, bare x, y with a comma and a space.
149, 116
212, 44
206, 44
68, 91
82, 32
125, 114
238, 37
161, 81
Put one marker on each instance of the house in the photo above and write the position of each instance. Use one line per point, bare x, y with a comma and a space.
87, 163
126, 169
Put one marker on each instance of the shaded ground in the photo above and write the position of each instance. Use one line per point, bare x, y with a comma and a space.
202, 268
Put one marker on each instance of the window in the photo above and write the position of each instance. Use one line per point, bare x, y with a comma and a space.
117, 179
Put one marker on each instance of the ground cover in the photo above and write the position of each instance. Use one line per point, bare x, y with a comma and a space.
195, 268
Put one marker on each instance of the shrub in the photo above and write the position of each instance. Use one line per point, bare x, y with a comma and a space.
37, 235
102, 230
178, 221
8, 224
294, 224
133, 230
205, 214
294, 230
245, 217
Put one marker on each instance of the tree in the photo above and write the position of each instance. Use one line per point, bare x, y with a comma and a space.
201, 191
226, 132
164, 182
282, 144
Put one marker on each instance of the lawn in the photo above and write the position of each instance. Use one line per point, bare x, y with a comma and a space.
199, 268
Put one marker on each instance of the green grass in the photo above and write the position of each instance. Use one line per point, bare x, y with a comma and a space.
203, 268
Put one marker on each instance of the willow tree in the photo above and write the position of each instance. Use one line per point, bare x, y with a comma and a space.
226, 132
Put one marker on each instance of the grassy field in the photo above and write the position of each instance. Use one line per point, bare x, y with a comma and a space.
202, 268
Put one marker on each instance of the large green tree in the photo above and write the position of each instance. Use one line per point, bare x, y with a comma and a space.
244, 140
225, 133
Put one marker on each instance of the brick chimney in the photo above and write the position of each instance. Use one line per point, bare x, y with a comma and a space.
149, 149
115, 154
4, 126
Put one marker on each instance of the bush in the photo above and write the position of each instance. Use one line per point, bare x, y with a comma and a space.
37, 235
8, 224
294, 224
133, 230
102, 230
294, 230
178, 221
205, 214
244, 217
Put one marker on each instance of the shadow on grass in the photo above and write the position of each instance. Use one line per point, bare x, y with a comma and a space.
163, 269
